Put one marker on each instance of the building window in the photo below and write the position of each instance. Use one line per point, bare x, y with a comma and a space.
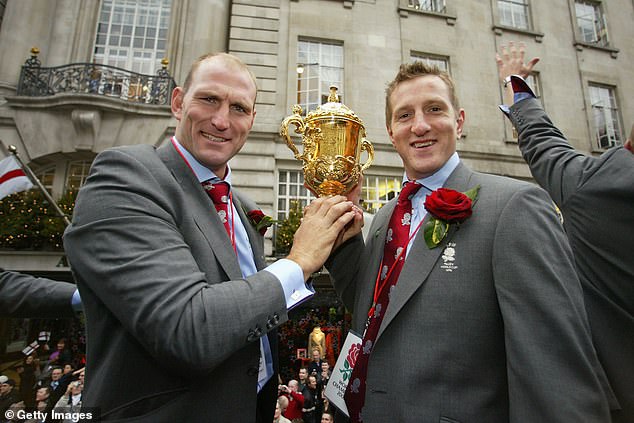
607, 130
77, 174
132, 34
428, 5
46, 177
591, 23
290, 187
378, 190
533, 81
441, 62
319, 65
513, 13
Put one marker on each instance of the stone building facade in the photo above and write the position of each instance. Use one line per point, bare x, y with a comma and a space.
297, 48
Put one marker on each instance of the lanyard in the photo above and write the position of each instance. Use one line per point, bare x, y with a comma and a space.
229, 209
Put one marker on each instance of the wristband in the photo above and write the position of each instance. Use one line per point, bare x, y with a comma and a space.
507, 81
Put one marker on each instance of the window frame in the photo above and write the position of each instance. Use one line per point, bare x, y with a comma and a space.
513, 6
612, 126
312, 69
123, 23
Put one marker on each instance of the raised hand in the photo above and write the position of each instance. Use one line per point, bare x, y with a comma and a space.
510, 61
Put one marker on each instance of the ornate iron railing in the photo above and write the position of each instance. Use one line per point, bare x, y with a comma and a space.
97, 79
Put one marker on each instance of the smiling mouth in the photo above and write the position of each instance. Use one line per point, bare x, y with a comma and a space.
212, 138
423, 144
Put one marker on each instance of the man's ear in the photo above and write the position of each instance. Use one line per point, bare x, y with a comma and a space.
177, 102
460, 122
390, 133
629, 145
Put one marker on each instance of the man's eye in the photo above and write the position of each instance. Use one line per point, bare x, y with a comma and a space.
239, 108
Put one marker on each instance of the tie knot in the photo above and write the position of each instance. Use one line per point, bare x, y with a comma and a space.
409, 189
218, 192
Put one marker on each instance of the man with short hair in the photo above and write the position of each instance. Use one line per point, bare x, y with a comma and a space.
302, 377
169, 260
293, 411
8, 395
465, 286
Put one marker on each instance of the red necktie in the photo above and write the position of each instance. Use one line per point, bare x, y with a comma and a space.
395, 245
219, 194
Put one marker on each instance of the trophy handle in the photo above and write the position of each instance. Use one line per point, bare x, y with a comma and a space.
367, 146
300, 126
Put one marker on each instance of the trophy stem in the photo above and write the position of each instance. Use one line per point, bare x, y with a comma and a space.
331, 188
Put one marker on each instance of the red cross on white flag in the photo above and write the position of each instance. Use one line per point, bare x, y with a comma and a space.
12, 177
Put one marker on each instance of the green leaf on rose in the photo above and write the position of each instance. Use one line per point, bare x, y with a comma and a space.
435, 231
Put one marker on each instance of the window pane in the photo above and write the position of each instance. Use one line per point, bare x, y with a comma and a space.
441, 62
319, 66
378, 190
590, 22
606, 123
513, 13
127, 17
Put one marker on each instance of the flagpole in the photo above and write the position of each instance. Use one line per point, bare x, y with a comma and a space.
13, 150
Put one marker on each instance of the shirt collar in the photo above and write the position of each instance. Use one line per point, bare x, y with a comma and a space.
438, 179
202, 173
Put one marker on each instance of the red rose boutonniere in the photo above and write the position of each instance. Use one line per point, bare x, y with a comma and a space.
260, 221
447, 206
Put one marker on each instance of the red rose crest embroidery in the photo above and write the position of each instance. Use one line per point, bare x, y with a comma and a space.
446, 207
350, 361
260, 221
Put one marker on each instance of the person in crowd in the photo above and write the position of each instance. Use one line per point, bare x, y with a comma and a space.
23, 295
302, 377
596, 196
61, 356
277, 416
469, 273
70, 402
169, 260
293, 411
312, 407
28, 378
8, 394
324, 374
314, 368
283, 400
327, 418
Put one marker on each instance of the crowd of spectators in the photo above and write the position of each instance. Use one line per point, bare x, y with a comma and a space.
302, 400
43, 384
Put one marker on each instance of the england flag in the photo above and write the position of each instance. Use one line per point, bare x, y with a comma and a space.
12, 177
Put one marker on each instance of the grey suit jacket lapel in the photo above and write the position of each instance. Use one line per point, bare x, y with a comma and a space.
421, 260
202, 210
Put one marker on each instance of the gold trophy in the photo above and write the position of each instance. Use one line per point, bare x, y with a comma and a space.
333, 138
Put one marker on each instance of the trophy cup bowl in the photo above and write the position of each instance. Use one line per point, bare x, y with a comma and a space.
333, 138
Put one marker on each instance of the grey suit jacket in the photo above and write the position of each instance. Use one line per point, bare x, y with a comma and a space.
172, 327
596, 198
24, 295
488, 327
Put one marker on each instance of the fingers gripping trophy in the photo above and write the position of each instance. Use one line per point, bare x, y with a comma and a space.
333, 138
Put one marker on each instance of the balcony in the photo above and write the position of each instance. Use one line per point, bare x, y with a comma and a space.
95, 79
